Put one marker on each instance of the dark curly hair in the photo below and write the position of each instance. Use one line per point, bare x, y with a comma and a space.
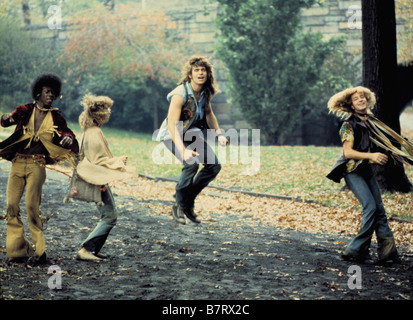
46, 80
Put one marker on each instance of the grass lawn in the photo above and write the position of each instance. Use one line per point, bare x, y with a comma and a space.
295, 171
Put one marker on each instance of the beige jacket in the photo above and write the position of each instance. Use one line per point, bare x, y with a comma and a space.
98, 165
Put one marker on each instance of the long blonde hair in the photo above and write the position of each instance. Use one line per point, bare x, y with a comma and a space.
96, 111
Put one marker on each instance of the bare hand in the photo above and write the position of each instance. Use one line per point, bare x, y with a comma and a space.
189, 155
379, 158
222, 141
8, 116
66, 141
124, 159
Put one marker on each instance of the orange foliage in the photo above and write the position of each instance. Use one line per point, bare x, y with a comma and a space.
129, 42
404, 12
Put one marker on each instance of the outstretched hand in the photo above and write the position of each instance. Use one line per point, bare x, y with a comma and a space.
66, 142
9, 117
124, 159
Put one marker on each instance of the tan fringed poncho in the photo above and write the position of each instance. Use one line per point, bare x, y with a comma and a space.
98, 165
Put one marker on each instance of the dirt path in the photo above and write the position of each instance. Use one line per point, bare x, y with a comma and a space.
227, 257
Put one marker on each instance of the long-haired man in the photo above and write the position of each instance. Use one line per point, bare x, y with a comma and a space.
184, 133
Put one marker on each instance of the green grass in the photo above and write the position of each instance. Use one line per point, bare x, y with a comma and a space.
295, 171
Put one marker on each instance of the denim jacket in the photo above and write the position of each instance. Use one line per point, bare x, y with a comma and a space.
189, 113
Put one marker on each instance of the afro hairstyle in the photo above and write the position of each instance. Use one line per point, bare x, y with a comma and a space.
46, 80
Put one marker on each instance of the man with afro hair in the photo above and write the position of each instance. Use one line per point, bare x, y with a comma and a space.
41, 137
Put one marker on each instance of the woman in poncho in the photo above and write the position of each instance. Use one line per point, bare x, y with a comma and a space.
99, 167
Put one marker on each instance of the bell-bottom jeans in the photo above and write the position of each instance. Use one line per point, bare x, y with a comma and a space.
29, 175
108, 216
366, 189
192, 182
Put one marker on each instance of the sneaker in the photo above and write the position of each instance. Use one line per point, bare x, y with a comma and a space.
177, 214
190, 214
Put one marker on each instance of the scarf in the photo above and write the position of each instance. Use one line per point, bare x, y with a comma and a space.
379, 131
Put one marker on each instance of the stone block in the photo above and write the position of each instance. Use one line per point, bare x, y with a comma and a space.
338, 18
202, 37
315, 12
350, 26
201, 17
344, 5
313, 20
323, 29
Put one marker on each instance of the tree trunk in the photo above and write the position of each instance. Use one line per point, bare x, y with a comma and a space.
26, 12
380, 76
154, 106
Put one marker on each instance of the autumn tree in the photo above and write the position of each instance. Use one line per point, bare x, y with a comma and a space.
404, 12
273, 65
128, 45
380, 75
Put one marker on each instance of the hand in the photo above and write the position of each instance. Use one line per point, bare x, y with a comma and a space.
8, 116
222, 140
379, 158
66, 142
124, 159
189, 155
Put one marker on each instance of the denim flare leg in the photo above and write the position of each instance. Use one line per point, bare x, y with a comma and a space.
366, 189
108, 213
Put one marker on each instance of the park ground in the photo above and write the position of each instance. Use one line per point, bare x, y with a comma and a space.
231, 255
247, 248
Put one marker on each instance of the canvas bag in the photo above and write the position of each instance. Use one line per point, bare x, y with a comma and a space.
81, 190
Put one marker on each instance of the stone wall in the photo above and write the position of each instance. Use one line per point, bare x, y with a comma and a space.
336, 17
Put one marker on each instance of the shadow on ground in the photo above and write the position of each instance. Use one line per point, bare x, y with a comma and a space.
227, 257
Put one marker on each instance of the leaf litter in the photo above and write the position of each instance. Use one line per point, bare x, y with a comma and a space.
294, 215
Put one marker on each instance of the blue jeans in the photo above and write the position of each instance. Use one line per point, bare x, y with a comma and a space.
364, 185
190, 183
108, 213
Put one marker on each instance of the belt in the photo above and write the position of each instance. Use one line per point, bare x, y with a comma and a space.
30, 156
